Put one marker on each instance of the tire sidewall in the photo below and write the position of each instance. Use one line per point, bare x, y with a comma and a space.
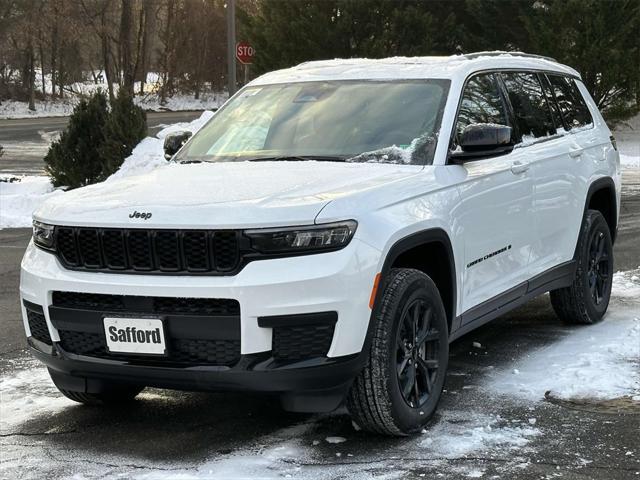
594, 223
418, 285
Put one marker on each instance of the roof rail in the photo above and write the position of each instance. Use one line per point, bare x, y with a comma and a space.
497, 53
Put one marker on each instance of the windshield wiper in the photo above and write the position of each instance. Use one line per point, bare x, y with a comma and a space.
299, 158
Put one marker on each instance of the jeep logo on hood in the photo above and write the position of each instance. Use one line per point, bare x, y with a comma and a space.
142, 215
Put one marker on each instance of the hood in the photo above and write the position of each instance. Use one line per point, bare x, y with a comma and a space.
219, 195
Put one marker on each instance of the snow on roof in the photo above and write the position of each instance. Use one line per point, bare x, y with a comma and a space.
409, 67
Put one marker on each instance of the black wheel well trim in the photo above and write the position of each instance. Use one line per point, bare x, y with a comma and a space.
600, 184
411, 241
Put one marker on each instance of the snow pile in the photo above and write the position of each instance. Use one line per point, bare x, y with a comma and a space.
20, 196
149, 154
593, 362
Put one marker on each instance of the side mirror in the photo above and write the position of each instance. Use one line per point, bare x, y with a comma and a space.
174, 142
482, 140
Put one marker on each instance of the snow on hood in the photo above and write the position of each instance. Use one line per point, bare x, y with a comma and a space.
224, 195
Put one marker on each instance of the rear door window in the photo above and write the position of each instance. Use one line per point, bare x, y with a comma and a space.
481, 103
572, 106
530, 109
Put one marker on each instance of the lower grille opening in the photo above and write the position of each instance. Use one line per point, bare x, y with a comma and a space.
295, 343
37, 323
197, 331
181, 351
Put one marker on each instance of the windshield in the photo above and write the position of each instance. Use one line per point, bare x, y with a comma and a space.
359, 121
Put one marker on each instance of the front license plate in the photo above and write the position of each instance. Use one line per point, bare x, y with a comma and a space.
135, 335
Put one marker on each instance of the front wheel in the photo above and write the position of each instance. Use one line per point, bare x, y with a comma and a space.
586, 300
400, 386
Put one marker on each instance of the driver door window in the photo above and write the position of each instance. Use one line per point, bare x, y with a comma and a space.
481, 103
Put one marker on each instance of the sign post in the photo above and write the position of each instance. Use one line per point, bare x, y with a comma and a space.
231, 41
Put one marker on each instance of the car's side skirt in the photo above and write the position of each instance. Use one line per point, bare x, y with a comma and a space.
557, 277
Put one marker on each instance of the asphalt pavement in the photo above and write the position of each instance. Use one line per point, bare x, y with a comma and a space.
167, 434
26, 140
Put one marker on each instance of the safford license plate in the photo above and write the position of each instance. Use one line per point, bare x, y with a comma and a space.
135, 335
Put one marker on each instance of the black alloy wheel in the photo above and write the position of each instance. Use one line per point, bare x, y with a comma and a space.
417, 342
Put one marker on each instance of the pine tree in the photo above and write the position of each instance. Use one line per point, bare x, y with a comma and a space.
126, 126
96, 141
600, 40
74, 160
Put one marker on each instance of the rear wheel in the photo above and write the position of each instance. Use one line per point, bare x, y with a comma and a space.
400, 386
586, 300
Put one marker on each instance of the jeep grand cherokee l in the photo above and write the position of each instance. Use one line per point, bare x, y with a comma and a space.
327, 234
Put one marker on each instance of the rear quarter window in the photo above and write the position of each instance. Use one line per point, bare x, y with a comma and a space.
572, 106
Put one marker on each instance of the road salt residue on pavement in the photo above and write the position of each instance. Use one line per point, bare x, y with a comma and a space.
600, 362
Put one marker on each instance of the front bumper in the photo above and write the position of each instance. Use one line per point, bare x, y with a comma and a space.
339, 282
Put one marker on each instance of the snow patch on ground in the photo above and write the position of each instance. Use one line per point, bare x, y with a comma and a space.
21, 195
11, 109
58, 108
460, 435
599, 361
26, 394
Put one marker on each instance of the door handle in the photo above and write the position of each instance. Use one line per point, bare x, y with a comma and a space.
518, 167
575, 152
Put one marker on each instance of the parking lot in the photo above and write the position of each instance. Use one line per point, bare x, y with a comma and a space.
479, 432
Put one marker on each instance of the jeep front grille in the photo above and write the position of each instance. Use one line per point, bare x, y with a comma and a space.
149, 251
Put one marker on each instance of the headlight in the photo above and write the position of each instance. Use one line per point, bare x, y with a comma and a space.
330, 236
43, 235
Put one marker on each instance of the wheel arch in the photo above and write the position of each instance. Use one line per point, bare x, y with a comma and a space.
438, 263
601, 196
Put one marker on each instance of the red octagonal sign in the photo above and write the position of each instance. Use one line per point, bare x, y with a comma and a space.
245, 53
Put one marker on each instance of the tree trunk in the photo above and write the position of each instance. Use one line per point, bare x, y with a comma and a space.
167, 59
125, 47
32, 76
54, 50
104, 49
149, 27
41, 51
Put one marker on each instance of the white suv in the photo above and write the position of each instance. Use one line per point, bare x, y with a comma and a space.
327, 234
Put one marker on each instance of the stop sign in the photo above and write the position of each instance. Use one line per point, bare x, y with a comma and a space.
245, 53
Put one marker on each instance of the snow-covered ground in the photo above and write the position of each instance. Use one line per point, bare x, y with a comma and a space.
574, 368
20, 196
62, 108
460, 440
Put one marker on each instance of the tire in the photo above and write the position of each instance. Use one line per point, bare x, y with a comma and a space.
376, 402
586, 300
